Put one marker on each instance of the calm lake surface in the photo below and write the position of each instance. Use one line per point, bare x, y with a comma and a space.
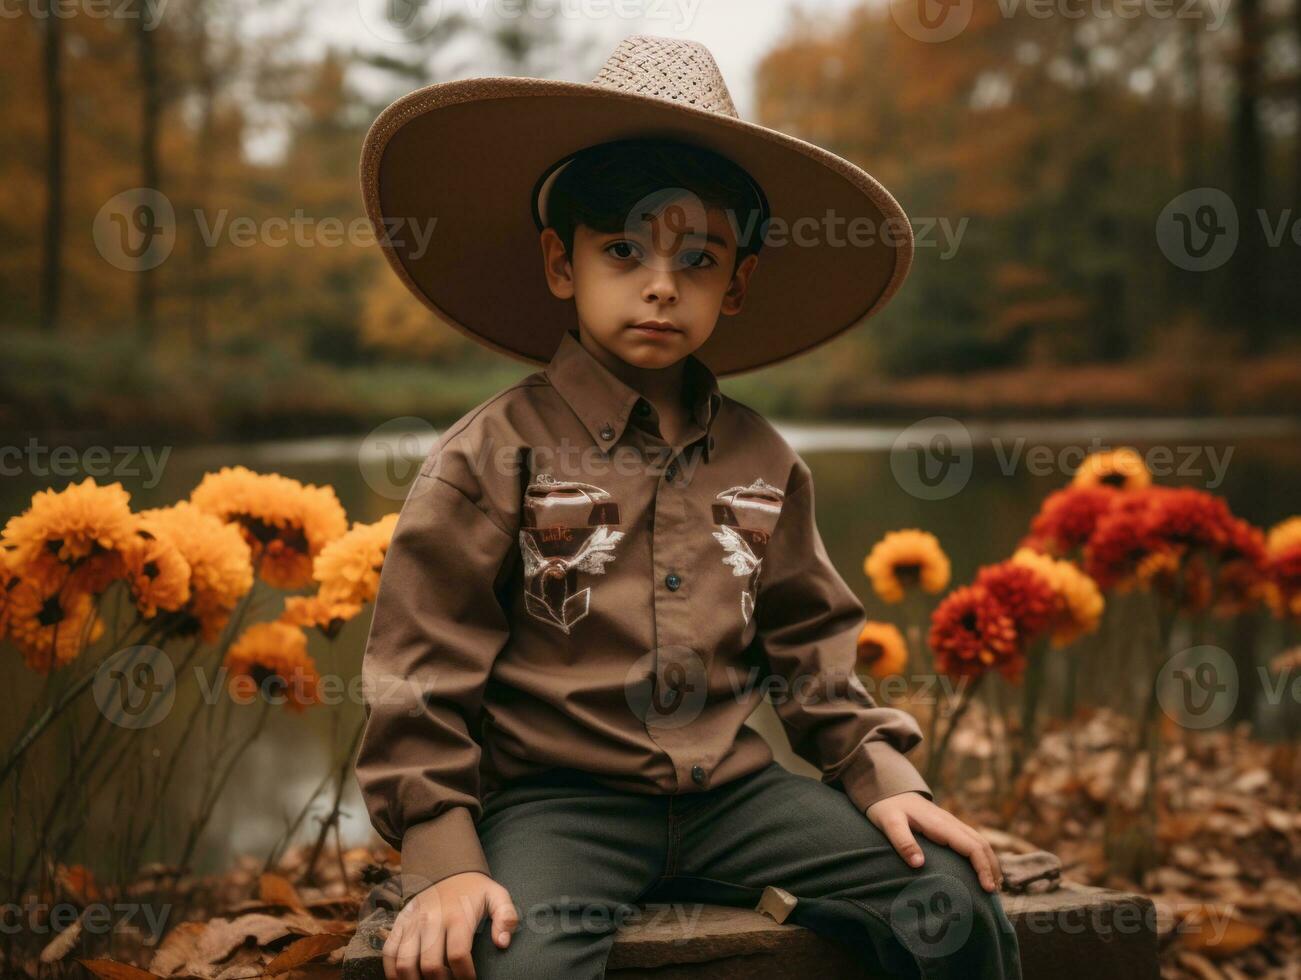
860, 495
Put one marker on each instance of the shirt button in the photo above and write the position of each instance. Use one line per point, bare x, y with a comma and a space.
672, 471
672, 580
698, 775
643, 407
607, 431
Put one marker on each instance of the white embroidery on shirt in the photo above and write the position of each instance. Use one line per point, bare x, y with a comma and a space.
567, 529
747, 516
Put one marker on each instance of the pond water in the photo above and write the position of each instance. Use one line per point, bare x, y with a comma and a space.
860, 495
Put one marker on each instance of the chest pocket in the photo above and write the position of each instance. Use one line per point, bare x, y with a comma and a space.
568, 531
746, 517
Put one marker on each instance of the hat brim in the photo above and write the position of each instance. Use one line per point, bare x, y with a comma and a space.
464, 157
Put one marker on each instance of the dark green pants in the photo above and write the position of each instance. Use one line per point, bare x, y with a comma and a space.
577, 857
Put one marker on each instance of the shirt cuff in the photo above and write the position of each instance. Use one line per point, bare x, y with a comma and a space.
880, 770
438, 848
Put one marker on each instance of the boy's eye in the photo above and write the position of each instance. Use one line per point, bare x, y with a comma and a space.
697, 259
627, 249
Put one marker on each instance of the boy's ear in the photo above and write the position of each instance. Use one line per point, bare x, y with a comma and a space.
734, 298
556, 265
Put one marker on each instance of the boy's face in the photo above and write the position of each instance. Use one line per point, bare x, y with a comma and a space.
670, 267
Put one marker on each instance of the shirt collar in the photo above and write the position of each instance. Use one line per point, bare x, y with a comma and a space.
605, 403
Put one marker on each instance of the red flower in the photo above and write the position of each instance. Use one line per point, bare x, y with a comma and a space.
1192, 518
1023, 593
1067, 517
1122, 539
971, 632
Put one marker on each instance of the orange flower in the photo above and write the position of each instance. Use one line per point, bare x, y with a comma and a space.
285, 522
906, 559
51, 621
220, 563
1281, 585
272, 659
320, 612
1120, 469
349, 567
881, 649
972, 633
158, 573
84, 528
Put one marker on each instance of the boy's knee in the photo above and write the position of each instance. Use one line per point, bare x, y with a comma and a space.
945, 911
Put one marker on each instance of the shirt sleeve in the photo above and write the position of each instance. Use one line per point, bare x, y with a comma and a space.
438, 626
808, 621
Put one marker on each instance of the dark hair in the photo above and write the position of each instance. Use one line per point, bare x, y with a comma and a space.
602, 183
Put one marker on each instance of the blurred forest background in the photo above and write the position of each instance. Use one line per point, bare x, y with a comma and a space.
1052, 144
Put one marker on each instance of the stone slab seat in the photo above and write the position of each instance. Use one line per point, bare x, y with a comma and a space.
1074, 931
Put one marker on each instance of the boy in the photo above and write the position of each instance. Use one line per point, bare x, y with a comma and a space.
600, 571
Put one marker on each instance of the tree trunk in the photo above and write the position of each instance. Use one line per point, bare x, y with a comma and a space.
52, 248
147, 65
1246, 302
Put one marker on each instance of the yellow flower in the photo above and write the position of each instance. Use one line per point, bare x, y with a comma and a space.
8, 579
1283, 536
1081, 599
51, 621
348, 568
272, 659
84, 527
905, 559
1281, 587
325, 614
1121, 468
158, 572
220, 563
881, 649
285, 522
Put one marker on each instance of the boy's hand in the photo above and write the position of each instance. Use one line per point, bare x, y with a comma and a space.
897, 815
433, 933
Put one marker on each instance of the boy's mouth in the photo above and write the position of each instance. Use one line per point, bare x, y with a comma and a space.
655, 328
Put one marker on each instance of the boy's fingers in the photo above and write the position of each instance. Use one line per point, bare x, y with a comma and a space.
948, 829
411, 951
900, 835
504, 917
390, 951
459, 961
973, 846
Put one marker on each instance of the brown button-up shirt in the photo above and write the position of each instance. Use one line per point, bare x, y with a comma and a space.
564, 588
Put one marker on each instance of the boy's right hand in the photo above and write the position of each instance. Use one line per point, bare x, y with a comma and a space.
433, 933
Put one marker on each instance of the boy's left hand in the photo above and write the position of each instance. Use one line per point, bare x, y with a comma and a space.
897, 816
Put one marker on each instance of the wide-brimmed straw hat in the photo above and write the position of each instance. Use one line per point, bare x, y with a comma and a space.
452, 175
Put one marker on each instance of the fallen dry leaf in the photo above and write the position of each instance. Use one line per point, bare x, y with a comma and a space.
62, 944
303, 951
1215, 931
113, 970
275, 889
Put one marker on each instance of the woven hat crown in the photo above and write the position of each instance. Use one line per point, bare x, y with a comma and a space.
667, 68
